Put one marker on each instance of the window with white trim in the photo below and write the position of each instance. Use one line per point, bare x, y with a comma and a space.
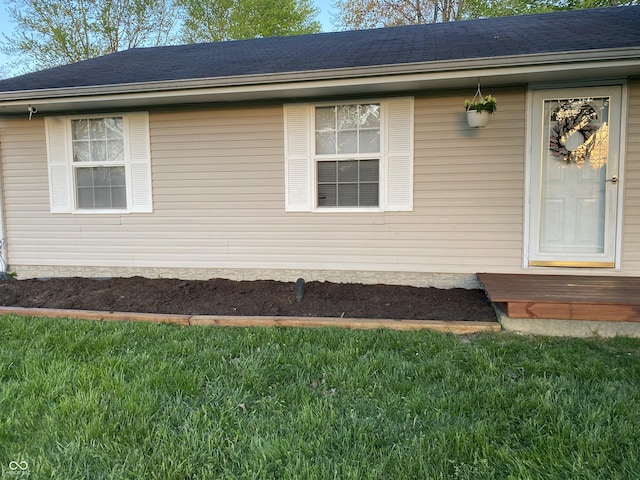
97, 146
347, 155
351, 156
99, 164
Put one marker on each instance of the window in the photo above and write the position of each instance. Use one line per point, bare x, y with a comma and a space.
347, 129
349, 156
351, 133
99, 164
348, 183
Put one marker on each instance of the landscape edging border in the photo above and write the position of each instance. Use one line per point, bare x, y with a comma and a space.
451, 326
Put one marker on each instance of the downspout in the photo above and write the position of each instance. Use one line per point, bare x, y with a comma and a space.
3, 243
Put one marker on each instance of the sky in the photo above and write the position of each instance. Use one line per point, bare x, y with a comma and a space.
326, 10
324, 17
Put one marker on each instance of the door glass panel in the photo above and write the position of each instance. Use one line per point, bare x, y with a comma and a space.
575, 154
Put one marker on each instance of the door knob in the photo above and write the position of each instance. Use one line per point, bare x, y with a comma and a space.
613, 179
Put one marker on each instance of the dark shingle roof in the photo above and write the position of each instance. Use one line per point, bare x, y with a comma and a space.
580, 30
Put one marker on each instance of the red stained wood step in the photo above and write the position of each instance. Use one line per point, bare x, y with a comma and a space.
565, 297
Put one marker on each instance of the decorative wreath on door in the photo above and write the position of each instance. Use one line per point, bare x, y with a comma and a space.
570, 136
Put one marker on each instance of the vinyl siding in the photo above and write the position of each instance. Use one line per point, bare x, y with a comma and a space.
219, 198
631, 225
468, 184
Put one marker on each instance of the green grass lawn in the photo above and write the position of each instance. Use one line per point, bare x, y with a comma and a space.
89, 400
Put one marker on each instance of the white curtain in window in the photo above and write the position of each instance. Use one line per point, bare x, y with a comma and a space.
397, 158
58, 133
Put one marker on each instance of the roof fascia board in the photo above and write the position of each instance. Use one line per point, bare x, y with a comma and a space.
452, 68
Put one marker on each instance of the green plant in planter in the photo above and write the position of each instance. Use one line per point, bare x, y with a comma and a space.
485, 104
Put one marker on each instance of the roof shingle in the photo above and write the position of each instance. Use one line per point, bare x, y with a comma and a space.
570, 31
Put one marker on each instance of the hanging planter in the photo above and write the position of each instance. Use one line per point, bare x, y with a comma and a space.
479, 108
477, 119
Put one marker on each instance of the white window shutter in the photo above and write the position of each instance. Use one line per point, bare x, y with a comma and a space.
140, 163
399, 149
297, 125
59, 165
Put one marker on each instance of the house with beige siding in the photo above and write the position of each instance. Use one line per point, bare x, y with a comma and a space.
340, 156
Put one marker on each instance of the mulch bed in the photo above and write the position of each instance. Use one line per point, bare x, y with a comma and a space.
260, 297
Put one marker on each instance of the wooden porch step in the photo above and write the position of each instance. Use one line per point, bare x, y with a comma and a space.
565, 297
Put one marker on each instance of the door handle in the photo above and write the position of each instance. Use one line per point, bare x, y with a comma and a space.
613, 179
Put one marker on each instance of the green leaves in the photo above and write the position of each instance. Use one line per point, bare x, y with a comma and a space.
57, 32
485, 104
49, 33
216, 20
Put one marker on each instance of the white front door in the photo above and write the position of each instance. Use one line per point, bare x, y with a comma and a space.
574, 177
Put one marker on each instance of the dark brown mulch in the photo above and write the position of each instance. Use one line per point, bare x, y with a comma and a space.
261, 297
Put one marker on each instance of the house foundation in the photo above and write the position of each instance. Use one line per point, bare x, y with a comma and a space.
414, 279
